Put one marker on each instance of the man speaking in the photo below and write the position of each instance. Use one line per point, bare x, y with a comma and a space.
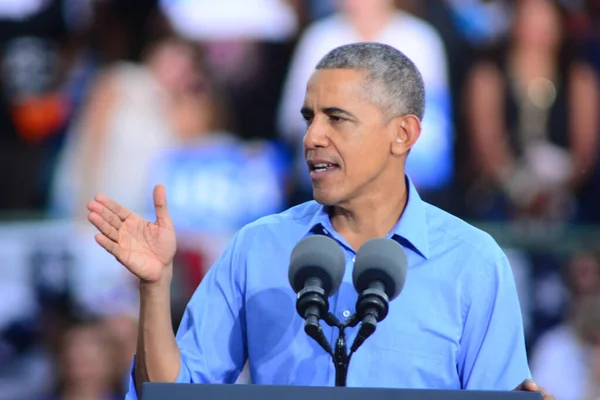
457, 323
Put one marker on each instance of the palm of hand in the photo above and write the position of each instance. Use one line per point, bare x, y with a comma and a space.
145, 248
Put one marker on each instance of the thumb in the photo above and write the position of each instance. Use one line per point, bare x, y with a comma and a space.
527, 385
163, 219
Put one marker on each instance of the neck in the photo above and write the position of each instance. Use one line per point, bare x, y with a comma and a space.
366, 218
369, 26
528, 64
532, 57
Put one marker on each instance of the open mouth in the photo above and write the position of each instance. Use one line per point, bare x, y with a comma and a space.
320, 167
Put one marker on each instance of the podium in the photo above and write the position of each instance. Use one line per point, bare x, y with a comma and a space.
186, 391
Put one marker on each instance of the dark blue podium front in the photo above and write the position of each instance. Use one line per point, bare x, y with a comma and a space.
180, 391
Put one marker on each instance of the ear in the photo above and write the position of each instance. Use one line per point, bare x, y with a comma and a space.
408, 130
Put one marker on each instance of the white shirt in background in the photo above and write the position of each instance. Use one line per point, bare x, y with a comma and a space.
559, 363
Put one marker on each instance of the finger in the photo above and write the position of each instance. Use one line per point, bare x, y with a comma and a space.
529, 385
113, 206
107, 244
160, 206
105, 213
103, 226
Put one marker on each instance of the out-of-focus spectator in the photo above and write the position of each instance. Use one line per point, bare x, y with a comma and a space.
122, 330
584, 26
565, 360
532, 111
50, 272
247, 45
86, 359
133, 113
33, 109
430, 163
466, 27
583, 275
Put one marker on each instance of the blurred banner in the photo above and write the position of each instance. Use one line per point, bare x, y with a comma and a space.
218, 188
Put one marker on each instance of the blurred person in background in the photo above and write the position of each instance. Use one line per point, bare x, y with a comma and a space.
466, 27
583, 276
430, 163
247, 44
122, 332
86, 363
133, 113
585, 25
33, 109
49, 52
566, 359
532, 114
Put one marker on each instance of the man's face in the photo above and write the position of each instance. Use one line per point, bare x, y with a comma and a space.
347, 144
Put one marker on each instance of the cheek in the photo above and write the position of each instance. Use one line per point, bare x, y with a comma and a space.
365, 159
363, 149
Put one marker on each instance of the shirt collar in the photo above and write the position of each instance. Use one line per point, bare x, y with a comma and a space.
410, 231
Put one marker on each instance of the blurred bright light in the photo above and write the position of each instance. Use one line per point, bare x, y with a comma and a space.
271, 20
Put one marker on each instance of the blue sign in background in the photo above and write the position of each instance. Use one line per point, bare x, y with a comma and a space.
221, 187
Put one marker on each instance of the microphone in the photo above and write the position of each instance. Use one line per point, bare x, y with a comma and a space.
316, 271
379, 275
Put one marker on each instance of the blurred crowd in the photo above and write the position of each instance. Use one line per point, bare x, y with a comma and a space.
114, 96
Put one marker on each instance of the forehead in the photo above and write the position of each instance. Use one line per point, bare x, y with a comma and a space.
336, 85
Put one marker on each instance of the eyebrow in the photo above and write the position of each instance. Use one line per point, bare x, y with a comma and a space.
328, 110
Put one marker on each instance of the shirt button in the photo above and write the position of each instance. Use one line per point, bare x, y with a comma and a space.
346, 314
353, 259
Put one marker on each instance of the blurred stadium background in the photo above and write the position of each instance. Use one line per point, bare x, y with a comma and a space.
114, 96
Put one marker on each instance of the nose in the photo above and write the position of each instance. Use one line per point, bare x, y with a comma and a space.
316, 135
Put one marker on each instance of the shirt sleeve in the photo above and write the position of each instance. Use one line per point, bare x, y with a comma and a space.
492, 355
211, 335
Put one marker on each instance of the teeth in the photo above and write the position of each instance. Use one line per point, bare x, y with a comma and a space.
322, 167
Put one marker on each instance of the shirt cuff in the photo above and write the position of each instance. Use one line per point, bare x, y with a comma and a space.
183, 377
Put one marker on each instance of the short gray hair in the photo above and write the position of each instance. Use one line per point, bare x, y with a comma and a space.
401, 88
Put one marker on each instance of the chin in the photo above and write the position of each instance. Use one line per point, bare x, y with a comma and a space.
326, 197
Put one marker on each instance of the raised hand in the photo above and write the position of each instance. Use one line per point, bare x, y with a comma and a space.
144, 248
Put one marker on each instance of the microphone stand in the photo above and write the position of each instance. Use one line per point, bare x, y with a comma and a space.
341, 357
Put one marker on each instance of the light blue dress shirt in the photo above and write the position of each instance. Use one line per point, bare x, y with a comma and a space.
456, 325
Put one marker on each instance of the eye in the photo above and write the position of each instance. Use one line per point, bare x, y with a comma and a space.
308, 119
335, 118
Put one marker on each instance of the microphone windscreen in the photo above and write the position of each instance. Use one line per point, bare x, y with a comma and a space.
317, 256
380, 259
